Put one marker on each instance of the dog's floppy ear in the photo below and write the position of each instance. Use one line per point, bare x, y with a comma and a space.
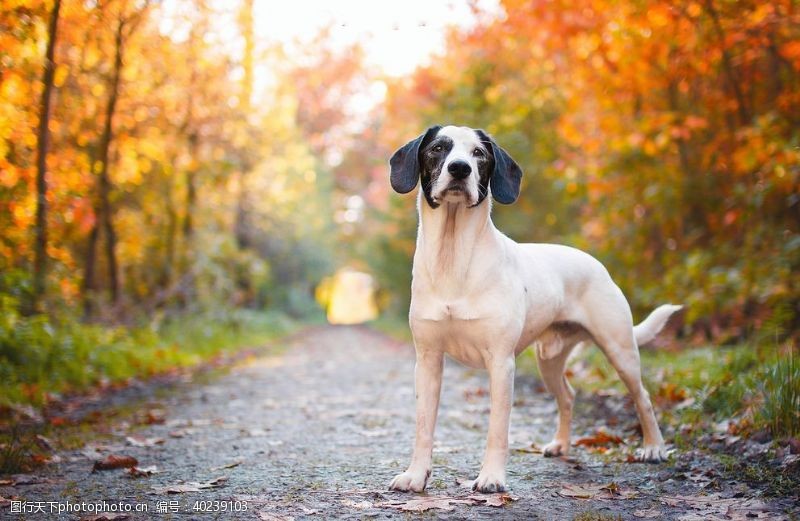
404, 164
506, 175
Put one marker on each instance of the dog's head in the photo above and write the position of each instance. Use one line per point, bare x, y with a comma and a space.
456, 164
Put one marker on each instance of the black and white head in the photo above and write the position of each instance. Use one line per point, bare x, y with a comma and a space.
457, 165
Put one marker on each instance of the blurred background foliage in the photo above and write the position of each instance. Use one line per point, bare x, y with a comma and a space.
662, 138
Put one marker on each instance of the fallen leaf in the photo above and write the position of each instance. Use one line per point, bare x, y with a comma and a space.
105, 516
141, 472
424, 504
4, 482
269, 516
228, 465
471, 395
596, 491
361, 505
44, 443
153, 417
533, 449
144, 442
447, 503
494, 500
4, 502
26, 479
648, 513
713, 507
600, 438
112, 461
191, 486
178, 433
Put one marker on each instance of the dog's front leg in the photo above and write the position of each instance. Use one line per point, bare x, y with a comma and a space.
492, 477
428, 385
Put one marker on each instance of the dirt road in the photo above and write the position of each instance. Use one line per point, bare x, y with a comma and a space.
319, 431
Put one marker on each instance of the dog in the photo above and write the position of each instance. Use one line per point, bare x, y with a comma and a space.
483, 299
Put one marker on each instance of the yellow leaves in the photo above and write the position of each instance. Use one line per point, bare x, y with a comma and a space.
761, 13
659, 15
60, 75
9, 174
694, 9
98, 89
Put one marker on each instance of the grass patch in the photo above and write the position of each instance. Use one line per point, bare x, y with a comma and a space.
42, 358
780, 387
757, 382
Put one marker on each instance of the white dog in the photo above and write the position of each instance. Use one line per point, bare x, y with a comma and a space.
483, 299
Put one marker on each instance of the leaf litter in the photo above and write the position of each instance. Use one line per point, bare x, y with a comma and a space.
192, 486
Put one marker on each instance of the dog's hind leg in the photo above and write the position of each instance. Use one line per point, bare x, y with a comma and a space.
552, 353
608, 319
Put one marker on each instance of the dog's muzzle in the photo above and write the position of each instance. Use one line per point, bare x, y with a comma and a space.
459, 169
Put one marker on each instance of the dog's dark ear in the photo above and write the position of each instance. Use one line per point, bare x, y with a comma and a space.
506, 175
404, 164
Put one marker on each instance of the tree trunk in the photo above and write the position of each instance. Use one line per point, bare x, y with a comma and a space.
40, 246
89, 287
106, 216
191, 190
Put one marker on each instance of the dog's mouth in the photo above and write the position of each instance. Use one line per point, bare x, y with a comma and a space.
455, 189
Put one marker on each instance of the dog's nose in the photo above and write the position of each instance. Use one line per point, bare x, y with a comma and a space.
459, 169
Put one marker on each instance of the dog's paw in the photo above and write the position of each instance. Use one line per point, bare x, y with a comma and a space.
410, 481
490, 482
555, 448
652, 454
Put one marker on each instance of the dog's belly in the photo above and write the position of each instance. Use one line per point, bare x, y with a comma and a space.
466, 341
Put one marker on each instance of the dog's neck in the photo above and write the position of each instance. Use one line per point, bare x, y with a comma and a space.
448, 237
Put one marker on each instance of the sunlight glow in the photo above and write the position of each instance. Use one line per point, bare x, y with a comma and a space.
397, 36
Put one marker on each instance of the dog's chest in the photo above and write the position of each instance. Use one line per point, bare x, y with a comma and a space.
466, 327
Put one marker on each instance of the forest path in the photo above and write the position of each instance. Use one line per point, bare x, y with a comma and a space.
319, 431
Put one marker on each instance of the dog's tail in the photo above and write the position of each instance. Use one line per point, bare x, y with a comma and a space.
647, 330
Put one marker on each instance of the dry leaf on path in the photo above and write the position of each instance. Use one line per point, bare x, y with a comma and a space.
144, 442
44, 443
596, 491
713, 507
648, 513
533, 449
361, 505
105, 516
141, 472
192, 486
269, 516
24, 479
599, 438
113, 461
228, 465
447, 502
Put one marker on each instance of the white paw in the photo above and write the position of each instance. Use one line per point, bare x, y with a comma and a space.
410, 480
490, 482
652, 454
556, 448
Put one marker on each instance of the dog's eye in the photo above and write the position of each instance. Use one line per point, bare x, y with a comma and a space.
478, 152
437, 148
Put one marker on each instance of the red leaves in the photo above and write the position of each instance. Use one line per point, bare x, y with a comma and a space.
598, 439
596, 491
113, 461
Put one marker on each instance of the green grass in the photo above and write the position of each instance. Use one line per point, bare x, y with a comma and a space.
756, 383
42, 358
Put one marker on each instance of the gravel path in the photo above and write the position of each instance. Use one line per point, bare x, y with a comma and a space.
319, 431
